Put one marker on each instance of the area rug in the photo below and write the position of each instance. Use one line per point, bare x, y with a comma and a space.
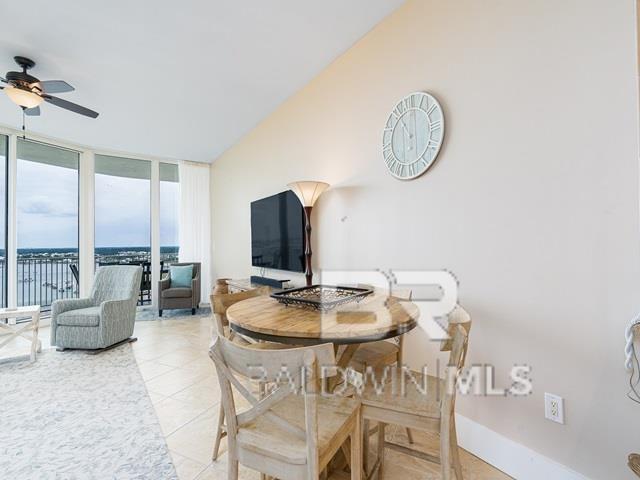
144, 314
73, 416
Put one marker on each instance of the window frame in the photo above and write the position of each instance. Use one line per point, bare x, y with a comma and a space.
78, 174
86, 215
5, 280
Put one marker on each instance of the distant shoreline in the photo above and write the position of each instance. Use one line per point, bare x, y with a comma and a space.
100, 251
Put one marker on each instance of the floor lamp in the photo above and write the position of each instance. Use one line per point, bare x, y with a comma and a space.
308, 192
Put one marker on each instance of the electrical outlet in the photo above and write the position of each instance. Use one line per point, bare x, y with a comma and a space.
554, 408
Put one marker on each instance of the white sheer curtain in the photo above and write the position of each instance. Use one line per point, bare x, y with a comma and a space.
195, 220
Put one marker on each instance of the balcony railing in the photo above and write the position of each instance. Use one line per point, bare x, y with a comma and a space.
43, 278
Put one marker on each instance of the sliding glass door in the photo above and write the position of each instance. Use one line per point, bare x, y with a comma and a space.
123, 215
47, 223
65, 211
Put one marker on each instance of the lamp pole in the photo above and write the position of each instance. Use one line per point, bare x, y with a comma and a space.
308, 272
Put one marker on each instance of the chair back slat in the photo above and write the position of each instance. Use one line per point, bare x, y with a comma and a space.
263, 406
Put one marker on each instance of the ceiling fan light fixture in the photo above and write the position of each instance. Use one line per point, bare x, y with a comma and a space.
23, 98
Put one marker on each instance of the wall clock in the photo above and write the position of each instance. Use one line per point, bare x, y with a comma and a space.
413, 135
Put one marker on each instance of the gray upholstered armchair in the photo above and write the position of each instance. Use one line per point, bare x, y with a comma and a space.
105, 318
179, 297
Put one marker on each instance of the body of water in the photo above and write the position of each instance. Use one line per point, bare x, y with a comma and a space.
45, 274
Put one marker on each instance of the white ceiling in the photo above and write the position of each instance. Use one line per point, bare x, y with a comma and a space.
182, 80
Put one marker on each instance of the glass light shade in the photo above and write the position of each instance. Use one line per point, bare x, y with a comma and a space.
24, 98
308, 192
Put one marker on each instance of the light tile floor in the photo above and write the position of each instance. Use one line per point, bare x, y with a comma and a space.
182, 384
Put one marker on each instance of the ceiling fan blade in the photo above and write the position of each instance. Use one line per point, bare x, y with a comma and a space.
32, 112
56, 86
73, 107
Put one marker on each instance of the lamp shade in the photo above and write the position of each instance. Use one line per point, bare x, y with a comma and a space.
308, 191
24, 98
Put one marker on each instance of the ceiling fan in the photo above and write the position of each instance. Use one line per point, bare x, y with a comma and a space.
28, 92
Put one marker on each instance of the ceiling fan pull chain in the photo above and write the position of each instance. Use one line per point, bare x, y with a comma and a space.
24, 137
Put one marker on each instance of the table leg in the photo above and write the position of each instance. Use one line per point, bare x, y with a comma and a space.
343, 362
34, 340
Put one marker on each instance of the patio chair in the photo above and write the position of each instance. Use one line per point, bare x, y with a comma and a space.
103, 320
75, 272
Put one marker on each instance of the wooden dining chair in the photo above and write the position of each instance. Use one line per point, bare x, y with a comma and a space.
294, 431
433, 411
220, 303
377, 355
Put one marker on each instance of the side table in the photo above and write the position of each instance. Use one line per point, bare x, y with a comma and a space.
27, 330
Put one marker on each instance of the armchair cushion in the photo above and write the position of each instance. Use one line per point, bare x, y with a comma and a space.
177, 293
82, 317
181, 276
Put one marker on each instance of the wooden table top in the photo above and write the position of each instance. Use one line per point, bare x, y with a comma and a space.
374, 318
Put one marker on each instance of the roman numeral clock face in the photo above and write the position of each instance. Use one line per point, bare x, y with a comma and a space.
413, 135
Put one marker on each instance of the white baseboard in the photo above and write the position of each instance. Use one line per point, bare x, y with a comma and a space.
512, 458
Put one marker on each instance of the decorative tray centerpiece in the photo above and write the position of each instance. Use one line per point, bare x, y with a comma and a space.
321, 297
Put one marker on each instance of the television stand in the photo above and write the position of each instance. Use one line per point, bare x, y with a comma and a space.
270, 282
244, 284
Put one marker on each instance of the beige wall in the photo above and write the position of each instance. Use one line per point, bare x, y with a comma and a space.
533, 203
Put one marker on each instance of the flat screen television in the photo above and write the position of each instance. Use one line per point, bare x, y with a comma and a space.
277, 232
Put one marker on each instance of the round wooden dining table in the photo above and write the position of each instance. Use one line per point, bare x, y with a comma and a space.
377, 316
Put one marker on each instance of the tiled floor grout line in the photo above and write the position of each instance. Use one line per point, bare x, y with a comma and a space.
194, 477
178, 391
188, 423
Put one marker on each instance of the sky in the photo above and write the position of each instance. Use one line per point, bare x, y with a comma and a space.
47, 202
